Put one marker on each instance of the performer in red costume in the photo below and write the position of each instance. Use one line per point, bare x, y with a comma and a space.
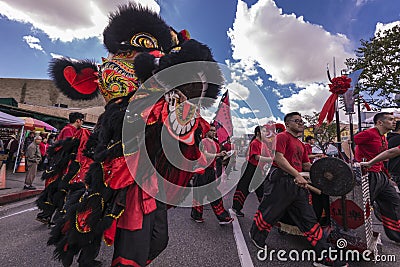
285, 192
369, 144
127, 185
258, 155
75, 123
210, 148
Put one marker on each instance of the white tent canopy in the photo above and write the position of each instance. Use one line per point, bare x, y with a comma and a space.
9, 120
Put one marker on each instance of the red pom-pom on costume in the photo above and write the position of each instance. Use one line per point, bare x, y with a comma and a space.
339, 86
83, 82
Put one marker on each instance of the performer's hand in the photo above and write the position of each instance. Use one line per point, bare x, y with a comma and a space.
300, 181
222, 154
365, 164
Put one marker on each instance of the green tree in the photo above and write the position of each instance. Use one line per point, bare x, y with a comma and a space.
379, 58
324, 134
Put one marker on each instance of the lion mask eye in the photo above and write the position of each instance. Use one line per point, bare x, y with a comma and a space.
144, 40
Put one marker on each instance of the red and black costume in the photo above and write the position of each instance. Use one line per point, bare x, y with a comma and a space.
252, 174
68, 131
131, 179
212, 193
370, 143
230, 162
69, 160
282, 196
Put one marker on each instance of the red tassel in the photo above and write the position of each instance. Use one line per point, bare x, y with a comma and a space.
328, 110
367, 107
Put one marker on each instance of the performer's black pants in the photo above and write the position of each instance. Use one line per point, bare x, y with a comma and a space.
396, 179
211, 192
140, 247
242, 188
282, 195
388, 200
321, 204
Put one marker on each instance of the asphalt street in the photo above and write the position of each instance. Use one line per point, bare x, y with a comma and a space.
23, 240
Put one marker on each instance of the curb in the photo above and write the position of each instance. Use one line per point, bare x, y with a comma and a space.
13, 197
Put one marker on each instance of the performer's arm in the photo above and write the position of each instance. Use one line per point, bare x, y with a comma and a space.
314, 156
388, 154
263, 158
212, 155
283, 164
203, 149
306, 166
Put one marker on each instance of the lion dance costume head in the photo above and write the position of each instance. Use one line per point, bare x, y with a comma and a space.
132, 30
134, 78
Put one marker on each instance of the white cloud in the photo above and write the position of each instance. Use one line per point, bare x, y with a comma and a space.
245, 125
246, 66
277, 92
237, 91
233, 104
53, 55
310, 99
259, 81
380, 27
65, 20
33, 42
288, 48
361, 2
246, 110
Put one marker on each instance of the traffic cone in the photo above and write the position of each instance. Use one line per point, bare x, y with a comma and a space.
21, 166
3, 176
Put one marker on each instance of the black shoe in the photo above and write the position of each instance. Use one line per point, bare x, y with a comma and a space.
238, 213
29, 187
226, 220
259, 244
329, 263
43, 220
198, 220
257, 237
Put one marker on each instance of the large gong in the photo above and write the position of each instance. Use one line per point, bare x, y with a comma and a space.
332, 176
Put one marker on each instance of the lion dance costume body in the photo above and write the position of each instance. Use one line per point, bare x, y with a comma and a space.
113, 184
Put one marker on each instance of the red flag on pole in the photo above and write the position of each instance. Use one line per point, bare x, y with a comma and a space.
223, 120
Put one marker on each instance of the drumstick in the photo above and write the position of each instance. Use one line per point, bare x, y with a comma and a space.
314, 189
306, 175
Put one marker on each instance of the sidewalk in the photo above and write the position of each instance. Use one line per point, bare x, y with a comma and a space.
14, 188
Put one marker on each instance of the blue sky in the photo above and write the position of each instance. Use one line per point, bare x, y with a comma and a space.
283, 46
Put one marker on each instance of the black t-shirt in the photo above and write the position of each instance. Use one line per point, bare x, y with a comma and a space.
394, 163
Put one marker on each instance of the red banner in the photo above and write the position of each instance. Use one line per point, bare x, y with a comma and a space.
223, 120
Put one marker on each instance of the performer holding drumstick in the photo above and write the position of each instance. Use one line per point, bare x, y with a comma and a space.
285, 192
369, 144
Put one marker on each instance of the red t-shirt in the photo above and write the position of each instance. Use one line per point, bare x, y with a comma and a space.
308, 148
369, 144
43, 148
211, 147
292, 149
256, 147
227, 146
68, 131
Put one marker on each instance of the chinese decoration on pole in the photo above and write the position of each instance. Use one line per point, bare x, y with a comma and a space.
339, 86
